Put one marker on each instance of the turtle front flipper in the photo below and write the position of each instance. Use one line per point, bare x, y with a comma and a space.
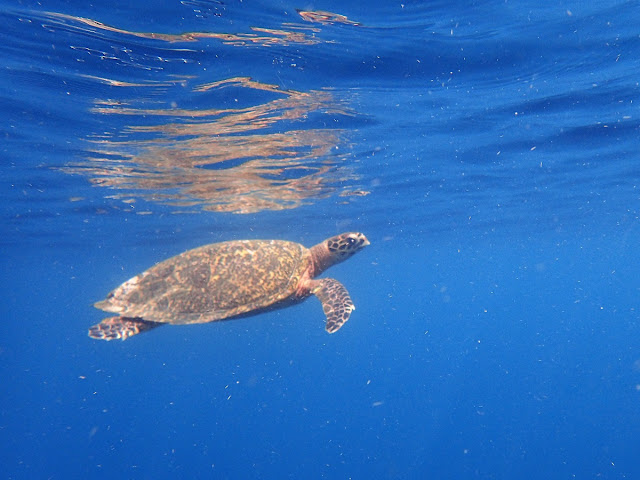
120, 328
336, 302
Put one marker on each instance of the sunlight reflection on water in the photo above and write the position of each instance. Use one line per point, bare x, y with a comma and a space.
264, 156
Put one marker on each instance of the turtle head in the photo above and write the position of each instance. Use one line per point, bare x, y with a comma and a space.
337, 249
346, 244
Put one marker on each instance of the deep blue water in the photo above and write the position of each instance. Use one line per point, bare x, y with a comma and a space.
489, 151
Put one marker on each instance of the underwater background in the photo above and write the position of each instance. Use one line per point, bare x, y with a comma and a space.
488, 150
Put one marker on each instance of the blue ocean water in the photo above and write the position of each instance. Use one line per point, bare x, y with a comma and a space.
488, 150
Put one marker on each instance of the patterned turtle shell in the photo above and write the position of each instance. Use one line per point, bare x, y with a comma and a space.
213, 282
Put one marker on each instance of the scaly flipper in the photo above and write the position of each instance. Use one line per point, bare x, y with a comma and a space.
114, 328
336, 302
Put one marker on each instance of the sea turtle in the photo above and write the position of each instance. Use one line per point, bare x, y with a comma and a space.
229, 279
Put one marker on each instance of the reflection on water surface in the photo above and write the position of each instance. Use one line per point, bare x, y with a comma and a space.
293, 35
270, 155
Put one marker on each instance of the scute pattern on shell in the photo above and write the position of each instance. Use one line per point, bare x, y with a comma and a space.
213, 282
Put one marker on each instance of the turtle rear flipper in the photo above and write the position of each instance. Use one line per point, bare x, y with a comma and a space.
336, 302
120, 328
